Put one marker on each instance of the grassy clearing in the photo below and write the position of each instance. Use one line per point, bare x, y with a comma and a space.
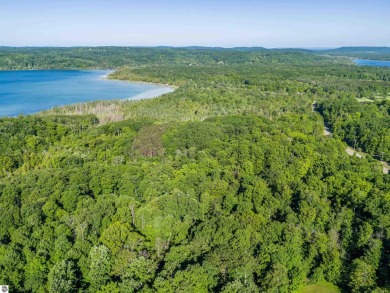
322, 287
370, 100
364, 100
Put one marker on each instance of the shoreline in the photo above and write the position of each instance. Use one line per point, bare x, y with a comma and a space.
105, 76
141, 90
150, 94
159, 90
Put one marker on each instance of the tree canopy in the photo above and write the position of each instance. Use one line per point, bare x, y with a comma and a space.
225, 185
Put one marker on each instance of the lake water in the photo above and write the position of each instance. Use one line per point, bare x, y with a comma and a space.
26, 92
377, 63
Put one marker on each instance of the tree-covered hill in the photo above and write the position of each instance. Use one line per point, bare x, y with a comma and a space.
374, 53
225, 185
114, 57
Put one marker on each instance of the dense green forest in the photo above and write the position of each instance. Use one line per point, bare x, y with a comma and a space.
113, 57
225, 185
12, 58
361, 125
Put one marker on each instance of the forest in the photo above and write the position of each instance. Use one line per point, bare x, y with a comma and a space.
362, 125
228, 184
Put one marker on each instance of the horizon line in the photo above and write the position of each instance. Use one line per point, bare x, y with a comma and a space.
197, 46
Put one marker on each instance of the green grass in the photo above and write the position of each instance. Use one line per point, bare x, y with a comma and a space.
370, 100
364, 100
322, 287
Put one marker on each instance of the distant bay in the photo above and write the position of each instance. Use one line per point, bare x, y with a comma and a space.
378, 63
27, 92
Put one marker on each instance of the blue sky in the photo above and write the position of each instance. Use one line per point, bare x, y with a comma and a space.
278, 23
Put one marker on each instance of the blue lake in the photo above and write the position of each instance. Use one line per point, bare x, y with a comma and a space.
377, 63
26, 92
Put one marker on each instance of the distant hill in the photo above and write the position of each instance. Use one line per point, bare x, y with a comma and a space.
360, 50
378, 53
114, 57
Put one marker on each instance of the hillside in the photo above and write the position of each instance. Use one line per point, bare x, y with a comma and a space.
113, 57
225, 185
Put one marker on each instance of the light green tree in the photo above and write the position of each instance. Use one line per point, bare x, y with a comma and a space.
62, 277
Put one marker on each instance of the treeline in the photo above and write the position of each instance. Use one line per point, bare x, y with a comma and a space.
114, 57
364, 126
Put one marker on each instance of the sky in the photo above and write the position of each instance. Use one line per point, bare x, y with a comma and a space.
228, 23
